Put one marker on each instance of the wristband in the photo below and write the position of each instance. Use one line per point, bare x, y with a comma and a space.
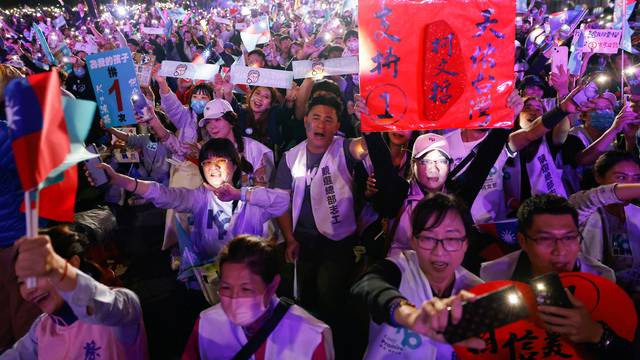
396, 304
552, 117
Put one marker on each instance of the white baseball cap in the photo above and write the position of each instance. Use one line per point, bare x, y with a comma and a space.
429, 142
215, 109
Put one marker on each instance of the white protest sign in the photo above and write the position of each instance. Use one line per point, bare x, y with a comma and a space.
86, 47
220, 20
602, 41
249, 40
318, 68
261, 77
152, 30
241, 26
59, 22
188, 70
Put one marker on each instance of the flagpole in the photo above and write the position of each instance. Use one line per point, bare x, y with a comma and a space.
31, 215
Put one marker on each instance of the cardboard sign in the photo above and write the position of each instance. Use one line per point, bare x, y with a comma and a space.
86, 47
261, 77
144, 65
319, 68
450, 66
527, 338
152, 30
601, 41
114, 81
186, 70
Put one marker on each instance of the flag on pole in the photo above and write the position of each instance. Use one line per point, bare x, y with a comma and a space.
38, 131
622, 22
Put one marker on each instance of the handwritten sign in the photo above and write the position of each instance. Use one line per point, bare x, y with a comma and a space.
319, 68
527, 338
114, 82
261, 77
601, 41
451, 66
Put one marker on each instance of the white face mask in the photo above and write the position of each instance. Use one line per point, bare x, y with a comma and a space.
245, 310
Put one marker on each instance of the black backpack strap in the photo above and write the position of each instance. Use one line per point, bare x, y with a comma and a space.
458, 168
267, 328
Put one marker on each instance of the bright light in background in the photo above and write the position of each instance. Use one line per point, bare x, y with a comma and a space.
121, 10
327, 37
630, 70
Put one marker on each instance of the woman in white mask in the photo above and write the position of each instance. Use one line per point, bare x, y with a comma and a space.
249, 308
430, 276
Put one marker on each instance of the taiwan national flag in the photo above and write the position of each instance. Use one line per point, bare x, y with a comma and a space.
47, 133
504, 235
38, 131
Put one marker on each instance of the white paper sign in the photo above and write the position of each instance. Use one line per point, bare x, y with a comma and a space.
188, 70
86, 47
241, 26
249, 40
602, 41
318, 68
152, 30
220, 20
59, 22
261, 77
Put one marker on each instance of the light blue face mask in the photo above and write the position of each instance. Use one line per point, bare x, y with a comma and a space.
198, 106
601, 120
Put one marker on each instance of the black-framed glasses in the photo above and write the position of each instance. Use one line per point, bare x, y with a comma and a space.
549, 241
448, 243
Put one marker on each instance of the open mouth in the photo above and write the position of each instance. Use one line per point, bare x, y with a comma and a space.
318, 134
439, 265
39, 299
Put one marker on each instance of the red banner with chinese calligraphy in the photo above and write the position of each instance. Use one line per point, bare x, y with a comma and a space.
527, 339
436, 65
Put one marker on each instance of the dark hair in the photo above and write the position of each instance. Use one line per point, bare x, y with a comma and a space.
68, 243
334, 48
257, 253
232, 118
326, 85
610, 159
437, 206
550, 204
350, 34
224, 148
327, 101
260, 125
258, 52
202, 88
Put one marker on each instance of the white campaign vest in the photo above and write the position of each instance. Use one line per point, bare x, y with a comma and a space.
593, 234
186, 175
387, 342
297, 336
331, 194
544, 176
503, 268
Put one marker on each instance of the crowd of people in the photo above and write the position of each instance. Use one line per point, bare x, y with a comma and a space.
292, 234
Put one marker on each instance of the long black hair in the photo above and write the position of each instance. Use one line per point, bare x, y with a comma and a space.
224, 148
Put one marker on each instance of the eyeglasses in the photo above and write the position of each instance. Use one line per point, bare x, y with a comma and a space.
219, 163
549, 241
429, 162
449, 244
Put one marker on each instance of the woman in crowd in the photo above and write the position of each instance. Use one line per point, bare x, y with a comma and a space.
82, 318
220, 207
428, 275
248, 307
221, 122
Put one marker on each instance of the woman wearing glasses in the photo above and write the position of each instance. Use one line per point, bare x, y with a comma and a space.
408, 293
220, 207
